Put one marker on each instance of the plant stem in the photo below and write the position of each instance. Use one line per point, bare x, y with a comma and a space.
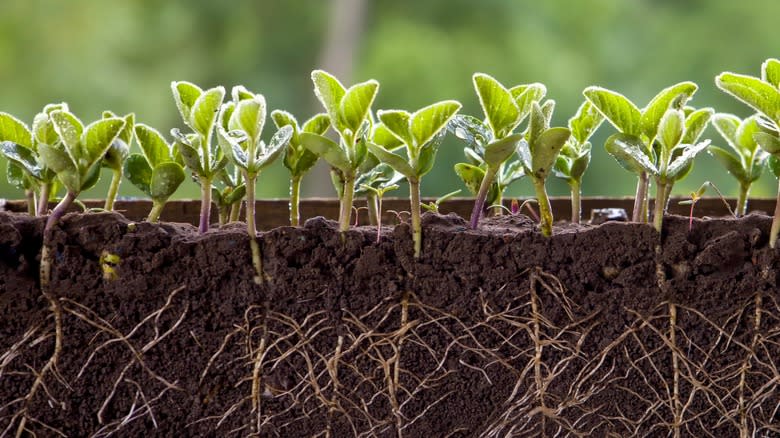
379, 218
222, 214
497, 210
479, 203
30, 195
545, 210
251, 227
660, 205
43, 200
775, 221
345, 213
295, 193
414, 194
373, 212
235, 211
113, 189
742, 199
639, 199
576, 203
154, 214
59, 210
205, 204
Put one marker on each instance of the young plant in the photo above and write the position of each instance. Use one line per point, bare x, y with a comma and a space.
492, 143
349, 112
538, 152
198, 109
574, 158
156, 171
228, 198
763, 95
298, 159
116, 156
745, 161
640, 126
696, 196
239, 129
433, 206
421, 134
374, 184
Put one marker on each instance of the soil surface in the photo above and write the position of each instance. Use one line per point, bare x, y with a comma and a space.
609, 330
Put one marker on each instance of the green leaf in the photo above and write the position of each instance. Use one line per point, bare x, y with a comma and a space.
155, 148
318, 124
500, 150
139, 173
249, 116
727, 125
23, 157
12, 129
429, 121
585, 122
471, 176
127, 132
56, 159
185, 94
235, 195
616, 108
116, 154
230, 143
16, 176
768, 142
774, 165
547, 109
695, 123
428, 155
744, 135
329, 91
239, 93
546, 150
91, 177
356, 104
680, 166
670, 128
204, 110
628, 150
383, 137
674, 96
497, 103
525, 95
471, 130
43, 129
397, 162
580, 165
730, 162
326, 148
69, 129
770, 72
274, 149
536, 125
99, 136
752, 91
397, 122
190, 156
165, 179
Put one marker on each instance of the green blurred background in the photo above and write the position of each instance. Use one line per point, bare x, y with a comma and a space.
122, 56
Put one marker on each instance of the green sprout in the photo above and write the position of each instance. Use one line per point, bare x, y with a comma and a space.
377, 179
349, 111
421, 134
228, 198
574, 158
116, 156
763, 95
640, 125
491, 143
297, 158
156, 171
198, 109
25, 170
745, 161
239, 130
538, 152
433, 206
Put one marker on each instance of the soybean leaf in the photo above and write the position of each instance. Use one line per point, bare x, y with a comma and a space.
91, 177
69, 128
525, 95
470, 129
356, 104
126, 135
274, 149
727, 125
23, 157
428, 155
138, 171
695, 123
500, 150
283, 118
165, 179
235, 195
536, 125
43, 129
56, 159
546, 150
384, 137
768, 142
12, 129
427, 122
471, 176
745, 132
585, 122
497, 103
155, 148
189, 155
16, 176
580, 165
239, 93
318, 124
616, 108
628, 150
752, 91
774, 165
670, 128
398, 123
329, 91
732, 163
397, 162
185, 94
99, 136
674, 96
204, 110
680, 166
326, 148
770, 72
249, 116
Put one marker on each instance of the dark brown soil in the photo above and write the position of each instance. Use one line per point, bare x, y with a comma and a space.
609, 330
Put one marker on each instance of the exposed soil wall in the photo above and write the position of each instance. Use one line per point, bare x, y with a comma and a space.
606, 330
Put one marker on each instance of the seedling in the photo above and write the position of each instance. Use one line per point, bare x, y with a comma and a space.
538, 153
374, 185
116, 156
25, 170
239, 129
574, 158
698, 195
349, 112
297, 158
745, 161
198, 109
763, 95
228, 198
640, 126
156, 171
433, 206
492, 143
421, 134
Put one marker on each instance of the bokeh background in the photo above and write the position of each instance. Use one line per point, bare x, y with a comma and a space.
122, 56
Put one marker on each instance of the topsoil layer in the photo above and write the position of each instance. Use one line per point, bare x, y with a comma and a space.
609, 330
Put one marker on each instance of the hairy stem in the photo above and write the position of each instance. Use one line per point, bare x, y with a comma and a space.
154, 213
43, 200
373, 209
345, 212
235, 211
295, 193
414, 194
479, 203
222, 214
545, 210
576, 203
30, 195
497, 210
639, 200
113, 189
251, 227
205, 204
744, 189
661, 197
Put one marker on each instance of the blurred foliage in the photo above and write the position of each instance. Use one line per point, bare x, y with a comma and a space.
122, 56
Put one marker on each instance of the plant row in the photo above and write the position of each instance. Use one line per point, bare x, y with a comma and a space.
370, 153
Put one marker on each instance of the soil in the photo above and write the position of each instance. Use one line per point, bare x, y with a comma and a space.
609, 330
